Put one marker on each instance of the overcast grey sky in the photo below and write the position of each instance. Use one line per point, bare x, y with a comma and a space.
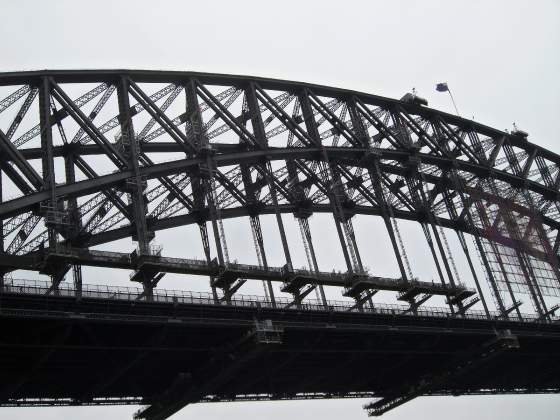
500, 58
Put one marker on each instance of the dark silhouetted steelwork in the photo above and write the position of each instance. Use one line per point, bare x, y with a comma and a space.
91, 157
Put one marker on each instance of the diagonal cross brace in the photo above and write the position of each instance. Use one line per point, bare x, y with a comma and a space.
160, 117
475, 358
213, 375
13, 154
87, 125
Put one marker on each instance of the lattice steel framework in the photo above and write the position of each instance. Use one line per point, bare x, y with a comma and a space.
145, 151
90, 157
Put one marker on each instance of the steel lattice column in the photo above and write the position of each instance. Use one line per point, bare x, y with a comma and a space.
135, 184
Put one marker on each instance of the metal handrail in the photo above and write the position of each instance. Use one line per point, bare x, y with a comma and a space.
97, 291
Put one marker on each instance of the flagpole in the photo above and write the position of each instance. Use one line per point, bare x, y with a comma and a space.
453, 100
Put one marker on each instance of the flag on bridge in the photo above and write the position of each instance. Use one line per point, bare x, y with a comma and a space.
442, 87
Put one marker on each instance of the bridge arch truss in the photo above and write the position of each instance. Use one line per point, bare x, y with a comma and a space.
90, 157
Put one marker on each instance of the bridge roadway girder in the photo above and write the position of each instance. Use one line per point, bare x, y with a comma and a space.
350, 354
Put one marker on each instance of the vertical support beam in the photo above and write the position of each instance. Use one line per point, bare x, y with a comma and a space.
209, 188
375, 177
47, 157
260, 135
75, 219
454, 215
490, 274
531, 280
443, 255
313, 131
135, 184
309, 118
278, 215
445, 262
253, 109
49, 177
256, 116
203, 188
206, 246
309, 239
302, 216
200, 195
350, 229
257, 231
72, 201
432, 221
194, 128
434, 256
77, 274
337, 213
465, 248
426, 206
256, 222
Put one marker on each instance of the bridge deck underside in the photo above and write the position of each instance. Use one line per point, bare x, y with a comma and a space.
94, 349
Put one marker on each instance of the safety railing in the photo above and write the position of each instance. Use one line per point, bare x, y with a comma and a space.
95, 291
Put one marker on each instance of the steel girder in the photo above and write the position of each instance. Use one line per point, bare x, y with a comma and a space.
353, 157
302, 148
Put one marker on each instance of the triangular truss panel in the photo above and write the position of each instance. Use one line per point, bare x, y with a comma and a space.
89, 158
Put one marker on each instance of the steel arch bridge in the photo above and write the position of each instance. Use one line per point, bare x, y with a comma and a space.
91, 157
